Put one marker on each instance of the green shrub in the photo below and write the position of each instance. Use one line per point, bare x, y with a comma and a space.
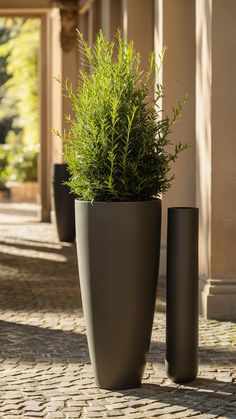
3, 166
18, 163
24, 164
116, 144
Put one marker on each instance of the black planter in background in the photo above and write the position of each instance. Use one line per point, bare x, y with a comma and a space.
182, 294
63, 202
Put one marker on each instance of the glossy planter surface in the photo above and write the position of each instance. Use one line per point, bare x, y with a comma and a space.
118, 247
63, 203
182, 294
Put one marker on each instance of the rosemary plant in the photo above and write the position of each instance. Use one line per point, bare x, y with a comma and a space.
116, 146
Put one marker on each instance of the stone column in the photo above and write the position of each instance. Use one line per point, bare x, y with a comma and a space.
94, 20
83, 24
84, 29
69, 53
216, 151
175, 29
138, 26
56, 88
111, 17
44, 177
64, 65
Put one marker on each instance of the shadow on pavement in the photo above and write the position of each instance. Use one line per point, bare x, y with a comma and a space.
11, 210
201, 396
206, 355
38, 277
38, 344
46, 247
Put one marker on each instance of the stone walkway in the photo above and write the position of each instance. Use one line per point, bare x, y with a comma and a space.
44, 363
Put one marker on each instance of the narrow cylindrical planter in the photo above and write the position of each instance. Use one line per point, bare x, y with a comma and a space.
182, 294
63, 202
118, 245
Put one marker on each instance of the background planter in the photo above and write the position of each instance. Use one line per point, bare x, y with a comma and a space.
118, 248
63, 203
182, 294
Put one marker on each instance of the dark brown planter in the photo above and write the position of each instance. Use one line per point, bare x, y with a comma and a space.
63, 203
118, 245
182, 294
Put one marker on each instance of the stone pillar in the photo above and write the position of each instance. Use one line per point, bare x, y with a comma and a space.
84, 29
83, 24
94, 20
45, 119
69, 53
64, 65
175, 29
138, 26
56, 88
216, 150
111, 17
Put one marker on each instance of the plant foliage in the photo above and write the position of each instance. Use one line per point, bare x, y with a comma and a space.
19, 95
116, 144
17, 164
19, 99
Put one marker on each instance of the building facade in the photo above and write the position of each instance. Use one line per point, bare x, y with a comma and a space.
200, 62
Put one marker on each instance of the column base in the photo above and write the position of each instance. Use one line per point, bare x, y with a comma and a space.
217, 298
53, 217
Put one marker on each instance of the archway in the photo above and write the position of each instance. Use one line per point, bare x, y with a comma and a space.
44, 105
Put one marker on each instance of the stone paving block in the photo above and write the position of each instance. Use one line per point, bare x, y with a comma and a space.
96, 408
93, 415
136, 415
114, 413
76, 403
71, 415
154, 405
206, 416
53, 406
118, 405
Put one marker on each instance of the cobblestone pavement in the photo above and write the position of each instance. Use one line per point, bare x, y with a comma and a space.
44, 363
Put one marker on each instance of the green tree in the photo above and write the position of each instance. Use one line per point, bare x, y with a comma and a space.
21, 87
19, 98
6, 113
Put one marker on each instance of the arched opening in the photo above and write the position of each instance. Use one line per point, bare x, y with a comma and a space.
44, 100
19, 110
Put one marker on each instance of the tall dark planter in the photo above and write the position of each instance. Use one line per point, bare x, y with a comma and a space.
182, 294
63, 203
118, 246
